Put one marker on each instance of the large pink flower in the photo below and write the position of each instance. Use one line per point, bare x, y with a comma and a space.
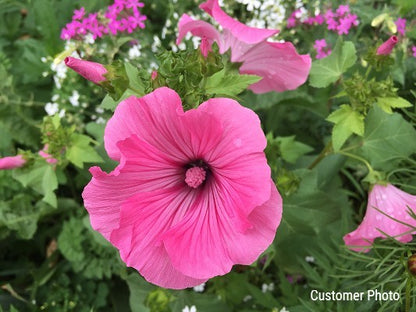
12, 162
192, 194
280, 66
394, 203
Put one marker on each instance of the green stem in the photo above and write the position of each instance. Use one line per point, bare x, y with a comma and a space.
325, 152
408, 290
370, 169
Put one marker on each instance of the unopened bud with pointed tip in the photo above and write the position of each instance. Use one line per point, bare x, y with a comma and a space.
12, 162
91, 71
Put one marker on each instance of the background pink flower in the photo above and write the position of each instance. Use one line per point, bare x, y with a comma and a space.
387, 47
393, 202
192, 195
12, 162
279, 64
91, 71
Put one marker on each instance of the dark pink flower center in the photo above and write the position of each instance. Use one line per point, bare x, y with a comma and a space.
195, 176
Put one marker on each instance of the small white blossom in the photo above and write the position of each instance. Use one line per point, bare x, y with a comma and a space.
309, 259
199, 288
247, 298
284, 310
189, 309
134, 51
100, 120
74, 98
89, 39
265, 288
51, 108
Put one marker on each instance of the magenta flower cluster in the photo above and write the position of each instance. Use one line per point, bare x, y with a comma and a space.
322, 48
121, 16
340, 21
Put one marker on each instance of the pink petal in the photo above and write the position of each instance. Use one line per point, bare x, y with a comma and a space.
241, 31
143, 117
281, 67
12, 162
144, 218
158, 119
392, 201
91, 71
143, 168
207, 242
197, 28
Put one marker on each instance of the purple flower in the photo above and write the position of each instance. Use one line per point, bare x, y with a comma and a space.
79, 14
342, 10
414, 51
321, 49
401, 25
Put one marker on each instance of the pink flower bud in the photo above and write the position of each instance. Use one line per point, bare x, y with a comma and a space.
154, 75
89, 70
12, 162
48, 157
387, 46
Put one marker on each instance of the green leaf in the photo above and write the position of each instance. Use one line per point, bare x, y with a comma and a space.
291, 149
109, 103
139, 290
388, 103
93, 260
223, 83
20, 215
135, 81
329, 69
41, 177
387, 137
80, 151
347, 121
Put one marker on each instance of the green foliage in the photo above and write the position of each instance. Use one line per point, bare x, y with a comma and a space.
21, 215
388, 103
221, 84
347, 121
328, 70
41, 177
89, 255
80, 151
363, 93
387, 138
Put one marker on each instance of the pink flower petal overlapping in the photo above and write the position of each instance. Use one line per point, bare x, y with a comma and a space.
176, 230
279, 64
387, 212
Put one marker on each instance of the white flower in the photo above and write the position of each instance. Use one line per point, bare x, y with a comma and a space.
134, 51
156, 43
247, 298
51, 108
74, 98
199, 288
309, 259
55, 97
284, 310
187, 309
100, 120
89, 39
265, 288
62, 113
